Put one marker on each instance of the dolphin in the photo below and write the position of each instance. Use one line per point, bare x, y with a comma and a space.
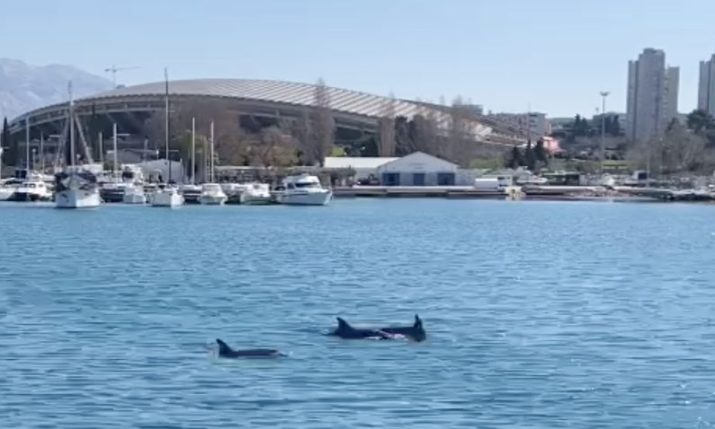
225, 351
347, 332
416, 332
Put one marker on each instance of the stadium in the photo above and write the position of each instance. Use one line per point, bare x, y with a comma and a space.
256, 103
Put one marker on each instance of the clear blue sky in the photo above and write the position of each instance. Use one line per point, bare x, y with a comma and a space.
554, 55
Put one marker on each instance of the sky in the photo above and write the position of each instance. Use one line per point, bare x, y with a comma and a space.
551, 56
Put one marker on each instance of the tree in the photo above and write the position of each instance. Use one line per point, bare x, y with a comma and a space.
458, 138
10, 152
700, 120
540, 152
515, 160
303, 132
276, 148
324, 124
386, 142
530, 157
576, 126
404, 144
614, 128
679, 151
424, 134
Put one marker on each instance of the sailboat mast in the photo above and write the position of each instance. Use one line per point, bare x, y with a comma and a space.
42, 152
212, 152
193, 151
71, 119
27, 146
114, 143
166, 118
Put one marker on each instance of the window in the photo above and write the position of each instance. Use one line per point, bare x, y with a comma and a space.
445, 179
418, 179
391, 179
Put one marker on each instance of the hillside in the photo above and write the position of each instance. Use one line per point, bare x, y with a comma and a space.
25, 87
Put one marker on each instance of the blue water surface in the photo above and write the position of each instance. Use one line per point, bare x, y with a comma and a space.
539, 315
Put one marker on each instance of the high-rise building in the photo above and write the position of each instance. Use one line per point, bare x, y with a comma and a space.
706, 89
652, 101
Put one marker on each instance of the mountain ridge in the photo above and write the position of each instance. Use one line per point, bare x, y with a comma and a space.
24, 87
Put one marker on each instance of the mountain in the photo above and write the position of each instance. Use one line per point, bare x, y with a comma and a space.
25, 87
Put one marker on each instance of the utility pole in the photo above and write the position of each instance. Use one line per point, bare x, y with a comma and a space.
604, 94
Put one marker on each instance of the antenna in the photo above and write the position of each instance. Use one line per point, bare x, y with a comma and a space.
114, 69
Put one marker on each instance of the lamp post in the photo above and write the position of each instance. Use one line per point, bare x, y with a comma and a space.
604, 94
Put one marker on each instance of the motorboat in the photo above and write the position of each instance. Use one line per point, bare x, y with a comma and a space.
303, 189
76, 188
8, 188
255, 194
191, 193
7, 192
134, 194
212, 194
167, 196
113, 191
233, 191
33, 188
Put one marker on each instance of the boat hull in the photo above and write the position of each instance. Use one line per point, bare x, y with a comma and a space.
305, 198
167, 199
26, 196
6, 194
250, 199
212, 200
77, 199
134, 198
114, 195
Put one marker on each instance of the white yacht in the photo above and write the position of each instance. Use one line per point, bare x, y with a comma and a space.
256, 193
134, 194
76, 187
33, 188
7, 192
303, 189
167, 196
212, 194
191, 193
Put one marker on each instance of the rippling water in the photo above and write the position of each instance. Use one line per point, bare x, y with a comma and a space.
539, 315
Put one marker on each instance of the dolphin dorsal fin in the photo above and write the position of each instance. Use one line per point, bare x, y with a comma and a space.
223, 348
342, 324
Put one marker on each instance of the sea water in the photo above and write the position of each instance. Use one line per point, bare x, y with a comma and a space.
538, 315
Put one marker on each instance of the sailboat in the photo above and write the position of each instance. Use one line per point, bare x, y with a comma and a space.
76, 187
211, 193
167, 195
191, 191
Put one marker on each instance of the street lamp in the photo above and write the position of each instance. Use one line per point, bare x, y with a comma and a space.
604, 94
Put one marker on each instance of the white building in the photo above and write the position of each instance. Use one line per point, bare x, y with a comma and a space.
652, 99
706, 88
418, 169
363, 167
158, 170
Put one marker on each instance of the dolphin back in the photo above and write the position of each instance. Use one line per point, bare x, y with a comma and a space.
223, 348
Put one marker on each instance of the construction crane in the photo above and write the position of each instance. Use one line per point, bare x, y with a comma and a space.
114, 69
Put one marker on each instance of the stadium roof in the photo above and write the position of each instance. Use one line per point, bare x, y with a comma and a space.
344, 100
346, 103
